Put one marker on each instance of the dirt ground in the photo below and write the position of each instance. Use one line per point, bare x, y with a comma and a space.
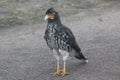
24, 54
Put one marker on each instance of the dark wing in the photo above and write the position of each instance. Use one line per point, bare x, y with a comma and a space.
70, 39
72, 42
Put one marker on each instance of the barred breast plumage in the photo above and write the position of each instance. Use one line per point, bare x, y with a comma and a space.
58, 37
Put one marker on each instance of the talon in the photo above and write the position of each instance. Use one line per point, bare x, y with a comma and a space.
63, 72
56, 73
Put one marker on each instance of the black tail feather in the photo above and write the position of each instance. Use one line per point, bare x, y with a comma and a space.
78, 53
80, 56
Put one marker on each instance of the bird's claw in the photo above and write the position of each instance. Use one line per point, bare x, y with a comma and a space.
60, 72
63, 72
56, 73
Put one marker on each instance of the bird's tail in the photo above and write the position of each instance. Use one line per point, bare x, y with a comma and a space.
80, 56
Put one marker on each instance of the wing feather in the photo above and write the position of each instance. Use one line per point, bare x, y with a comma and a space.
70, 38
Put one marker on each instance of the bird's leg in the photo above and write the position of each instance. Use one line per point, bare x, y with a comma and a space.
57, 72
64, 72
56, 54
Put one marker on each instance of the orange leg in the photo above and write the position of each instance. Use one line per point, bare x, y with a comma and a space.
58, 71
64, 72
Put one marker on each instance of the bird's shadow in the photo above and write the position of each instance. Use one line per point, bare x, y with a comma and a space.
76, 66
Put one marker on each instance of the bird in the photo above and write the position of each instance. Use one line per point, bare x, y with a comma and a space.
61, 41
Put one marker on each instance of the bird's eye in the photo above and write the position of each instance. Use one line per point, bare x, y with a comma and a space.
54, 13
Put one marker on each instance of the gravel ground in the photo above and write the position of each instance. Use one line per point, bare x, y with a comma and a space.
24, 54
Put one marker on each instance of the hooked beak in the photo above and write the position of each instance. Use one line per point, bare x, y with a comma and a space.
46, 17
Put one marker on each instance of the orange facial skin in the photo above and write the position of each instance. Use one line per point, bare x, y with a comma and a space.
51, 16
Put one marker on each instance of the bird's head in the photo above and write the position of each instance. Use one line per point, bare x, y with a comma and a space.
51, 14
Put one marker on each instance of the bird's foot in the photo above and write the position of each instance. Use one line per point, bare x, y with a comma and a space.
56, 72
64, 72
